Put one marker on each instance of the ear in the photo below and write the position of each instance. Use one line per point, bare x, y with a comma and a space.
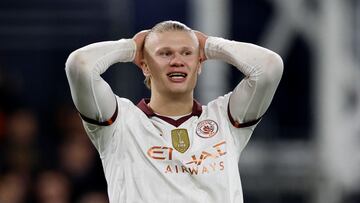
201, 59
199, 69
145, 68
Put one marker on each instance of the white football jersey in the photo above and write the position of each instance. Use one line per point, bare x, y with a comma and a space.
152, 158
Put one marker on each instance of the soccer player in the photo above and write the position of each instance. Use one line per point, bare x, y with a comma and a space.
169, 148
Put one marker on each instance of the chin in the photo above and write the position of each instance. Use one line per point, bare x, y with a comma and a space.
179, 91
177, 88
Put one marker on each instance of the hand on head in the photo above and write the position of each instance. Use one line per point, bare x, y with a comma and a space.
202, 39
139, 39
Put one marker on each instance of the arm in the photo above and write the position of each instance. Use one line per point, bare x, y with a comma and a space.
262, 69
92, 96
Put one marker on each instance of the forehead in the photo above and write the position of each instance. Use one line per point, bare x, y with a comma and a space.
171, 39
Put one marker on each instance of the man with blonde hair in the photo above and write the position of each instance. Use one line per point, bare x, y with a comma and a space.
169, 148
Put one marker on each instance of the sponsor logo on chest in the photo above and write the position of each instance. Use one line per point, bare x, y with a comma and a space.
194, 164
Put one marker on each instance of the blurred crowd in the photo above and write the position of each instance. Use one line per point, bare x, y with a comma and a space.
45, 158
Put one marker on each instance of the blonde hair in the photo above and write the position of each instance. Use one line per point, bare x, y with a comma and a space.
165, 26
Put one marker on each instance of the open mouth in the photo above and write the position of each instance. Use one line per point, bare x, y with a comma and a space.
177, 75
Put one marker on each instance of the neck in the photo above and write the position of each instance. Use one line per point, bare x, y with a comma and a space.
171, 105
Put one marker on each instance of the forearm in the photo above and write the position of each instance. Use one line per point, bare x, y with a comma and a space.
92, 96
262, 69
250, 59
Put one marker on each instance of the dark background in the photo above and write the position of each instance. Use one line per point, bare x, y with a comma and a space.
42, 141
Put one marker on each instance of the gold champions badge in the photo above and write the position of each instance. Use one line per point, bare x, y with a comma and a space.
180, 139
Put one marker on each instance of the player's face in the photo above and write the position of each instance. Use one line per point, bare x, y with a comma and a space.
172, 61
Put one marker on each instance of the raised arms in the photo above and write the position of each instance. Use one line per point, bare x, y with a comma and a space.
92, 95
262, 69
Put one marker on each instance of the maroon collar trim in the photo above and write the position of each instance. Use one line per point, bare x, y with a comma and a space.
196, 111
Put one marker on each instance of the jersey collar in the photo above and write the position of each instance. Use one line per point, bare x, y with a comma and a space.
196, 111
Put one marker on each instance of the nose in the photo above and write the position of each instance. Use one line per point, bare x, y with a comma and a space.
176, 60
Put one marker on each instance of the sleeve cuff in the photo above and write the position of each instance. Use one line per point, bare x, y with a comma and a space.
212, 45
125, 50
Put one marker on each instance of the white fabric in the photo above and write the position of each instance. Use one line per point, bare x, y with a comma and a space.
262, 69
93, 96
132, 175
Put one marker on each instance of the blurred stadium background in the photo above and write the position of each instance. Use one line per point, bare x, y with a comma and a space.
305, 150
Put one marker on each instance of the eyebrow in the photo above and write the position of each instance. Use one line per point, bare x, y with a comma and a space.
181, 48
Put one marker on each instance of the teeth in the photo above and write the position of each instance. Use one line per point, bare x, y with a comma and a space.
177, 75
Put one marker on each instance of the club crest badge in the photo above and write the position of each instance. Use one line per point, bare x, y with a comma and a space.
180, 139
207, 128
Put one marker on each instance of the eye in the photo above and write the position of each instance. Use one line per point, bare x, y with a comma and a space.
187, 53
165, 53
